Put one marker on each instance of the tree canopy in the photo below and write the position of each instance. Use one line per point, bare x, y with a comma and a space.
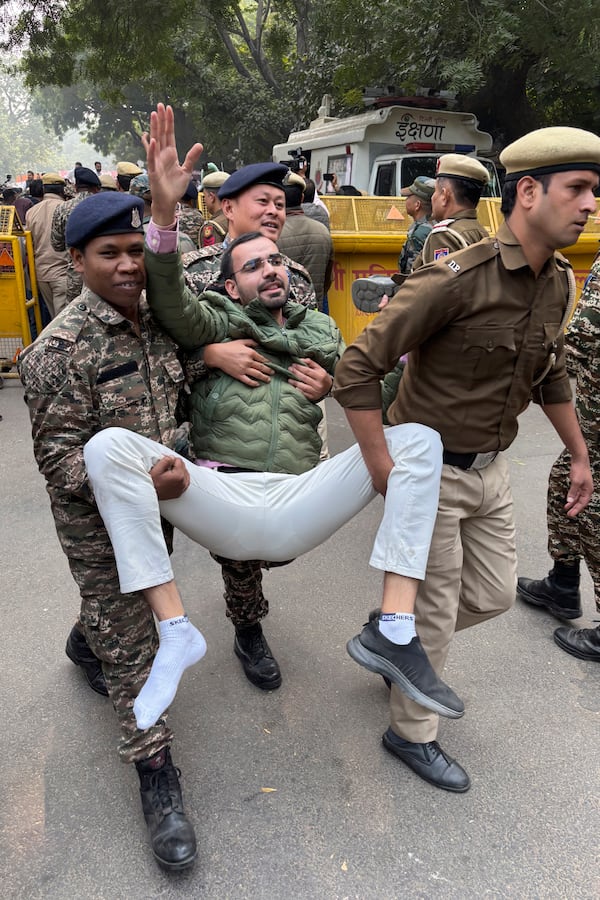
241, 74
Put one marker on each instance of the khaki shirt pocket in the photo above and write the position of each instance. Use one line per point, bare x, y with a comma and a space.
488, 350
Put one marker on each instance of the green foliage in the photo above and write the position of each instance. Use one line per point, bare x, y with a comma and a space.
243, 73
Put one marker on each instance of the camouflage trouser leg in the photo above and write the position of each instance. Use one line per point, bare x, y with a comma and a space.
119, 628
246, 603
570, 539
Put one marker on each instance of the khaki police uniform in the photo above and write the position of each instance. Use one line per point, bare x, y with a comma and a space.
480, 329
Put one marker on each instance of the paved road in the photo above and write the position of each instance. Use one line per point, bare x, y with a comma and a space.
343, 818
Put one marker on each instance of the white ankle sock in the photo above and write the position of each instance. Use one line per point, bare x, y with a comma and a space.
181, 645
399, 628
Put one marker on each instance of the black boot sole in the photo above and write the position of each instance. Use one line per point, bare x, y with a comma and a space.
386, 669
178, 866
559, 612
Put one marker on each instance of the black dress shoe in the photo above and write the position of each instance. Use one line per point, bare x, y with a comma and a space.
429, 762
584, 643
407, 666
78, 651
563, 602
259, 664
171, 833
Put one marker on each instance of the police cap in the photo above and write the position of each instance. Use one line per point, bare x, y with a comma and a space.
457, 165
421, 187
214, 180
273, 174
555, 149
104, 213
53, 178
87, 177
108, 182
128, 168
140, 187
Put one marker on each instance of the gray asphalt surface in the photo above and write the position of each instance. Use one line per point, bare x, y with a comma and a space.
342, 818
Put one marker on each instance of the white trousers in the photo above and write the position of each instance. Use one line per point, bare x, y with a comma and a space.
255, 515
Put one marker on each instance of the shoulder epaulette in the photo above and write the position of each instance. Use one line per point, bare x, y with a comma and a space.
472, 256
188, 259
444, 225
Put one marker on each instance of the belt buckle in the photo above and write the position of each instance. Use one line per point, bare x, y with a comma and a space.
483, 459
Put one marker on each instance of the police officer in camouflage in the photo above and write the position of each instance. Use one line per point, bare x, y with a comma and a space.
103, 361
86, 183
418, 206
252, 199
190, 218
573, 539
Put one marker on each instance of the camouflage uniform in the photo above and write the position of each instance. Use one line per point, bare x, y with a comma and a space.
570, 539
58, 241
89, 370
246, 603
190, 223
415, 238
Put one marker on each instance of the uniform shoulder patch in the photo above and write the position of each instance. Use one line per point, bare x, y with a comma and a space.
441, 252
472, 256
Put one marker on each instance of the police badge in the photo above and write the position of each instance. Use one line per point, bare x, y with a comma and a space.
135, 218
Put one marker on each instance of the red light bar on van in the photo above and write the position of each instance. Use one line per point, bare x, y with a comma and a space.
440, 148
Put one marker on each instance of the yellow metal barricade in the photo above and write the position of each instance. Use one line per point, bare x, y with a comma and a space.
369, 232
20, 317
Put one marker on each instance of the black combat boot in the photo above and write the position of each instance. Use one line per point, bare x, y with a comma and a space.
259, 664
78, 651
171, 833
558, 592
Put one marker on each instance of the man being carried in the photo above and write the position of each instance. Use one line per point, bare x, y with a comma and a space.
257, 514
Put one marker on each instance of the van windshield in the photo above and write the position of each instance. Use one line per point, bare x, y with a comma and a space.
413, 166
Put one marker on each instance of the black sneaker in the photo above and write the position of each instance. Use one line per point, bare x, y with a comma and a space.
171, 833
584, 643
407, 666
259, 664
562, 602
78, 651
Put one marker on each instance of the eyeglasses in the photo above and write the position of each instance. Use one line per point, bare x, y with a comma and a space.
254, 265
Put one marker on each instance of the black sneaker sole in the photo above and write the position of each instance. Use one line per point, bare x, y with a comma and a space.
382, 666
559, 612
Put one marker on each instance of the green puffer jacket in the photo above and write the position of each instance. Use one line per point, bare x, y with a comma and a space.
269, 428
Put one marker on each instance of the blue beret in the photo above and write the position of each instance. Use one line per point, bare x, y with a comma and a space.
191, 192
109, 212
86, 176
274, 174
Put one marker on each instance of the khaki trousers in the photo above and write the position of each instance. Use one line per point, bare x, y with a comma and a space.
471, 575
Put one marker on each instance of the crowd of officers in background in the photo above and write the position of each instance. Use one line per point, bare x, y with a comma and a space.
44, 203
